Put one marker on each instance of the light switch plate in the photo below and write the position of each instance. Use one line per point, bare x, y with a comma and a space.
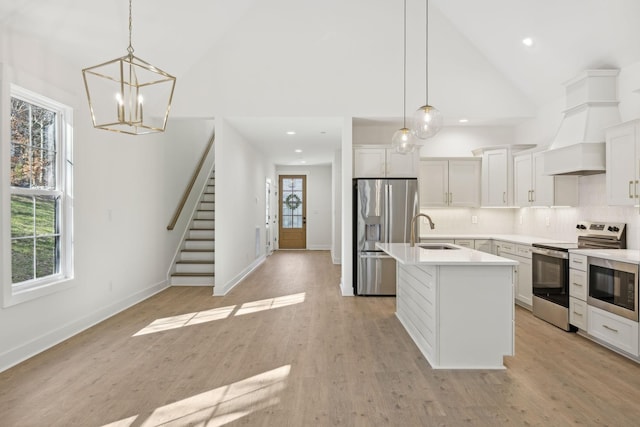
474, 219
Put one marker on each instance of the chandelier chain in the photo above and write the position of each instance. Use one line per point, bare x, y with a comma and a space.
130, 48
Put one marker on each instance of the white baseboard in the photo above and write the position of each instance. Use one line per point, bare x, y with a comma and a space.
221, 290
37, 345
319, 247
346, 292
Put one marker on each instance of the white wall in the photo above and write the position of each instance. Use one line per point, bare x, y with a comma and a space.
319, 203
336, 211
121, 210
283, 57
241, 173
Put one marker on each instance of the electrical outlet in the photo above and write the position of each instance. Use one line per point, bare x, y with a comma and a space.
474, 219
520, 219
546, 221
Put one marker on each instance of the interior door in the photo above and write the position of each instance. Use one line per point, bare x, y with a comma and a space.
293, 212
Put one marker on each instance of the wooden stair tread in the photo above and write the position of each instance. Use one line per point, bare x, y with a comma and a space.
192, 274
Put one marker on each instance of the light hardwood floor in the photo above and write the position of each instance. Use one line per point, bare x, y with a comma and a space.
285, 349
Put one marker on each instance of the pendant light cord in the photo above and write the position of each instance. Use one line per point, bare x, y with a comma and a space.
130, 48
404, 67
426, 55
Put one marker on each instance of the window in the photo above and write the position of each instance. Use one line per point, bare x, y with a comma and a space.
40, 172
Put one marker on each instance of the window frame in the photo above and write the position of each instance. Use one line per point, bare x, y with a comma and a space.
38, 287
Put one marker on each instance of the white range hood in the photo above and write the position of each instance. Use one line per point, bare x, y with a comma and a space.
592, 105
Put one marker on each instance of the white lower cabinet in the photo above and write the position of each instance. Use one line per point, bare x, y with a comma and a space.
523, 271
614, 330
483, 245
578, 313
465, 243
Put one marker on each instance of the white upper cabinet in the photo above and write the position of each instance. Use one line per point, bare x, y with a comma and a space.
495, 177
533, 188
383, 162
623, 164
450, 182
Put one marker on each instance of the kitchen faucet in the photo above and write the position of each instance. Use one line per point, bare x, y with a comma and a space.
413, 227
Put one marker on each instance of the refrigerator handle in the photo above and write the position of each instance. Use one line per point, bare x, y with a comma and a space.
388, 214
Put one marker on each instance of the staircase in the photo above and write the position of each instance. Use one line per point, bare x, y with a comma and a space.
196, 262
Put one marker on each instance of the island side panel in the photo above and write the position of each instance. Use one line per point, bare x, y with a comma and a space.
416, 308
476, 316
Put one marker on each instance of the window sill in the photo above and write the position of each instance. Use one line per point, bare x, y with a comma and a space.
14, 297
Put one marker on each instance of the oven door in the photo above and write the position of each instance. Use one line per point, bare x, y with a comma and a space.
613, 286
550, 275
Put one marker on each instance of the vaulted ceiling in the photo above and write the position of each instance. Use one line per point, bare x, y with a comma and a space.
278, 58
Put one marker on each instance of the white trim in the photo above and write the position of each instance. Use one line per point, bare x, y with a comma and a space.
23, 352
221, 290
319, 248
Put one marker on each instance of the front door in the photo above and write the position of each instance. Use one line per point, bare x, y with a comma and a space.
293, 212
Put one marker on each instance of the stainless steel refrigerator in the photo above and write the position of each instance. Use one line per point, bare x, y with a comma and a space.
382, 212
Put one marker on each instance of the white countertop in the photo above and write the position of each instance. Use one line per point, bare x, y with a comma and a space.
405, 254
624, 255
512, 238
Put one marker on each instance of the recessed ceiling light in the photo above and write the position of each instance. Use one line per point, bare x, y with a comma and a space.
298, 150
527, 41
291, 132
463, 120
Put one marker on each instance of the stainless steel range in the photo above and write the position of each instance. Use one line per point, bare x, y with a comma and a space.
550, 265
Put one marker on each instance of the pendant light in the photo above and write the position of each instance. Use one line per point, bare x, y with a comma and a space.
427, 120
403, 140
129, 95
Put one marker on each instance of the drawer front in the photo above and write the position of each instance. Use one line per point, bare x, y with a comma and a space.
523, 251
464, 243
578, 313
507, 248
578, 284
579, 262
615, 330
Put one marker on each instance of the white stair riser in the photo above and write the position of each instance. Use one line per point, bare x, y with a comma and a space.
191, 281
205, 215
206, 224
194, 268
199, 244
206, 206
197, 256
210, 189
201, 234
208, 198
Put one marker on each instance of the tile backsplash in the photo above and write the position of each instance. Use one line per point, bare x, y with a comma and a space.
552, 223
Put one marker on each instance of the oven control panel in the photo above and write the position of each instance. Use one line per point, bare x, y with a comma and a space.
611, 230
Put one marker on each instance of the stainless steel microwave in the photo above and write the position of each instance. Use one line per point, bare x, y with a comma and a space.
613, 286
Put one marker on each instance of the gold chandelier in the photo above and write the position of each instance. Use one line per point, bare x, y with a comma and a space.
129, 95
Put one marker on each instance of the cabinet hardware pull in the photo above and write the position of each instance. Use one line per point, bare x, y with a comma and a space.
610, 328
504, 197
576, 313
636, 189
630, 192
575, 261
577, 284
450, 198
533, 195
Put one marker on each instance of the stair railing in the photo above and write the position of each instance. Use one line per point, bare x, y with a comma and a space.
191, 183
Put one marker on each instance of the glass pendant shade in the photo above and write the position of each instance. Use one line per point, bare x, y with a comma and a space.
427, 121
129, 95
403, 141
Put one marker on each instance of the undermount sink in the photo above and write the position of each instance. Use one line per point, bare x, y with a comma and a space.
436, 246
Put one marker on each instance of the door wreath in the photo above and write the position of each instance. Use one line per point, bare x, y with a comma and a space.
293, 201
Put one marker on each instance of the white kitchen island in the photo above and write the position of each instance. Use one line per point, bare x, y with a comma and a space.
456, 304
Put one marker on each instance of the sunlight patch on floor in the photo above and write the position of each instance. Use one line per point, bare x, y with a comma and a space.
219, 406
189, 319
268, 304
